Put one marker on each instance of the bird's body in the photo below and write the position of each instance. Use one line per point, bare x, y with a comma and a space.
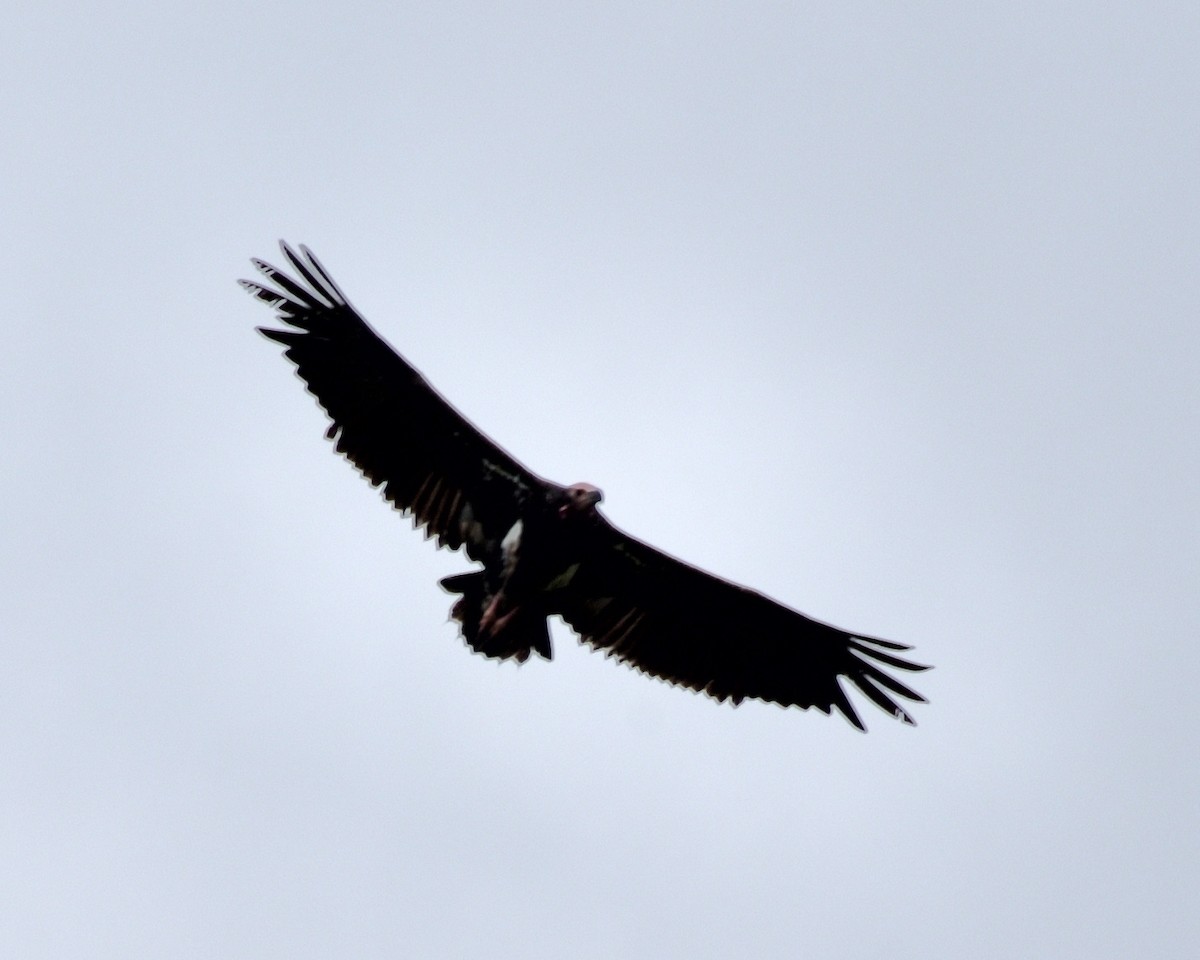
546, 549
525, 577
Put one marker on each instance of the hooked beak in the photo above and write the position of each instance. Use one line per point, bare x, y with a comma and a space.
581, 499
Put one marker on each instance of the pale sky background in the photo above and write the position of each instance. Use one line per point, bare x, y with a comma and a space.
889, 310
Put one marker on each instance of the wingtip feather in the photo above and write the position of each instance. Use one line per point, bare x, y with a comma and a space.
331, 285
287, 337
845, 707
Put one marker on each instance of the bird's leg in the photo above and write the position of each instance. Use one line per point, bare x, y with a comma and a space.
502, 622
495, 617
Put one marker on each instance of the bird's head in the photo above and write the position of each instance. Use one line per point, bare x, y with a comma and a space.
580, 499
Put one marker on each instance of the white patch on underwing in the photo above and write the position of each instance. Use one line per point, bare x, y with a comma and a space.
511, 545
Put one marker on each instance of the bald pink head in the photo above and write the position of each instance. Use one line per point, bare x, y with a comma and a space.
581, 498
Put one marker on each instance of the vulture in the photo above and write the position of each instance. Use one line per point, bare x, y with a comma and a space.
545, 549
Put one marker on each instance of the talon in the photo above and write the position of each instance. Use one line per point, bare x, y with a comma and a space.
491, 622
503, 621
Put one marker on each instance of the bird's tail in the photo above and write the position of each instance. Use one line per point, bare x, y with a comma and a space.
491, 626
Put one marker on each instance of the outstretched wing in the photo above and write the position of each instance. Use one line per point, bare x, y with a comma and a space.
676, 622
387, 420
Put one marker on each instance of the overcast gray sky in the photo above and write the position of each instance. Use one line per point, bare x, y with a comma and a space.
886, 309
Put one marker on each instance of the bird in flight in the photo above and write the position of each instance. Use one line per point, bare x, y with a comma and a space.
547, 549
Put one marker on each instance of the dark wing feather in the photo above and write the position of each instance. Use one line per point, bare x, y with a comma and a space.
387, 420
676, 622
